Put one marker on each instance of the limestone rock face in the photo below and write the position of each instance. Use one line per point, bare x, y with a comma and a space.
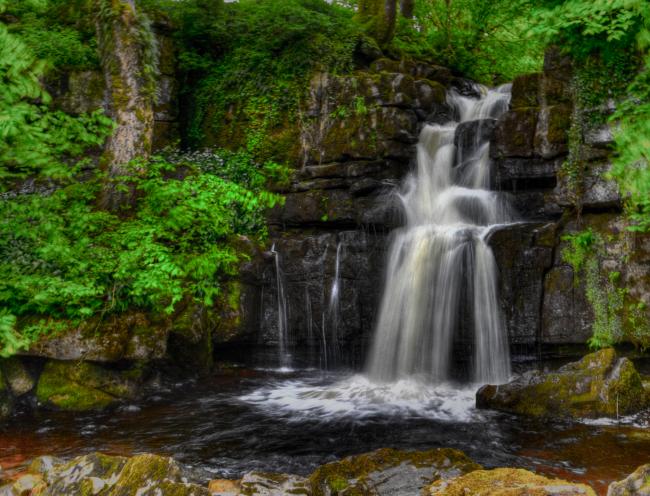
388, 471
507, 482
601, 384
636, 484
81, 386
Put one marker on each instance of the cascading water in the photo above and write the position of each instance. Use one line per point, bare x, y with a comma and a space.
332, 318
284, 358
440, 261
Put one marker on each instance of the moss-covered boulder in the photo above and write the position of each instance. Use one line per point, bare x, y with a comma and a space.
82, 386
507, 482
99, 474
17, 377
268, 484
601, 384
389, 471
636, 484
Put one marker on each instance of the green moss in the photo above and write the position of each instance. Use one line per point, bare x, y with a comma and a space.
351, 474
80, 386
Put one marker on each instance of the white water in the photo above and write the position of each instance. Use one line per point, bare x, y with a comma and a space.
440, 266
284, 358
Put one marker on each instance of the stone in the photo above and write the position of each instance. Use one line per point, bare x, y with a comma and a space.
6, 401
469, 135
601, 384
17, 377
389, 471
636, 484
141, 475
557, 64
267, 484
596, 190
514, 134
131, 336
82, 386
25, 485
429, 96
551, 133
507, 482
526, 91
224, 487
84, 92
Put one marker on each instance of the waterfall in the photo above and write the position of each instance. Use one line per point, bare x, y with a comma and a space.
284, 358
333, 309
440, 266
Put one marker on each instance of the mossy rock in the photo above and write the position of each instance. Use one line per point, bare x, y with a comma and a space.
82, 386
17, 377
636, 484
389, 471
84, 475
601, 384
507, 482
271, 484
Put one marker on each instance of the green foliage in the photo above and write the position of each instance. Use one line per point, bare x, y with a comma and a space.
60, 33
62, 259
252, 60
604, 296
33, 138
485, 40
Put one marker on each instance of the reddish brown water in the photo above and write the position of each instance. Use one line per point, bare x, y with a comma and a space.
209, 427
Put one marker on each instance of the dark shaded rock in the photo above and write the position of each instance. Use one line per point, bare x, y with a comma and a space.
526, 91
83, 92
523, 253
385, 65
517, 174
469, 135
636, 484
17, 377
597, 192
567, 317
507, 481
557, 65
82, 386
551, 133
466, 87
601, 384
555, 91
429, 96
514, 134
270, 484
389, 471
6, 401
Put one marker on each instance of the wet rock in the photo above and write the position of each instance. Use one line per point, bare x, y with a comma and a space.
469, 135
389, 471
266, 484
507, 481
636, 484
130, 336
514, 134
17, 377
551, 133
596, 190
81, 386
26, 485
141, 475
525, 91
466, 87
601, 384
224, 487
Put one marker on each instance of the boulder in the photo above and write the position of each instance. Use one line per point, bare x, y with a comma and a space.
507, 482
389, 471
17, 377
601, 384
266, 484
636, 484
141, 475
82, 386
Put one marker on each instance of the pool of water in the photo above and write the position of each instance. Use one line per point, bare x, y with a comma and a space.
291, 421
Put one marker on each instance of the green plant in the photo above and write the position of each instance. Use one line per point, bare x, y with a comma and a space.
63, 261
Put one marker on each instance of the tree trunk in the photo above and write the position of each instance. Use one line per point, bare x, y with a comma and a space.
406, 8
379, 17
129, 60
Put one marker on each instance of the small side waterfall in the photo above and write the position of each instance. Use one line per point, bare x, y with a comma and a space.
284, 358
440, 267
333, 311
